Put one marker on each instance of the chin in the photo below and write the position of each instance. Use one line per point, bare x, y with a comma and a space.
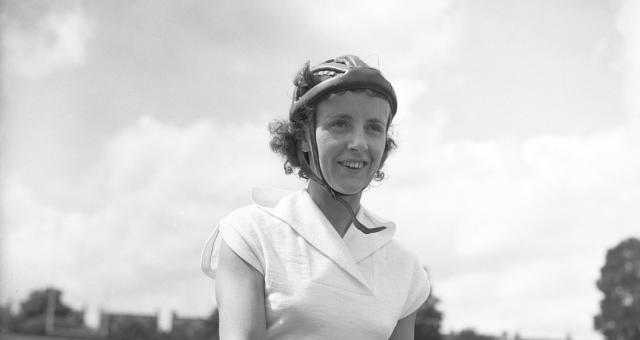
350, 189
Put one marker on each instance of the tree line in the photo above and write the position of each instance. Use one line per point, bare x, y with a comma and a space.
44, 312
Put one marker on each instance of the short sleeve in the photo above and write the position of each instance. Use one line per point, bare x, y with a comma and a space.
242, 240
418, 292
245, 243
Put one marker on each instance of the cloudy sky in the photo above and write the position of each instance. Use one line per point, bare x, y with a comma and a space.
130, 128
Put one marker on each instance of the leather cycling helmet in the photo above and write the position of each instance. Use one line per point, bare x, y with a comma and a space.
344, 73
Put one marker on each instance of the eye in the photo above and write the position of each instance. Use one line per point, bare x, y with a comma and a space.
340, 124
376, 127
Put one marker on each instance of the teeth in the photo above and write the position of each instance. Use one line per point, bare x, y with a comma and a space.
353, 164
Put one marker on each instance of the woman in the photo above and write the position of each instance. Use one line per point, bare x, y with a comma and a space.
315, 264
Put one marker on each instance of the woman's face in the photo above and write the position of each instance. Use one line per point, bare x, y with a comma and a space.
351, 131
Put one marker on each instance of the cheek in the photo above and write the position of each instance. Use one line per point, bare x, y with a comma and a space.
326, 146
379, 148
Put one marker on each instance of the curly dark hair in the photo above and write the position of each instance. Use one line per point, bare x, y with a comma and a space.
287, 135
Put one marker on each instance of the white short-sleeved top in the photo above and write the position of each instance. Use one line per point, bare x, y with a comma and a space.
317, 284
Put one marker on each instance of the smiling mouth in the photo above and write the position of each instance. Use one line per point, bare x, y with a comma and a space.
353, 164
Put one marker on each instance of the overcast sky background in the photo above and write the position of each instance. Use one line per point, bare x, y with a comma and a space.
130, 128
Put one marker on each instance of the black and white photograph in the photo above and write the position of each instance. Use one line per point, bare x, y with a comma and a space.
290, 169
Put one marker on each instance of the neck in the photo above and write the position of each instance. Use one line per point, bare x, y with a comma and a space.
335, 212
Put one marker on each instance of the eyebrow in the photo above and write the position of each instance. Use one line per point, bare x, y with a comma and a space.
339, 115
349, 117
376, 120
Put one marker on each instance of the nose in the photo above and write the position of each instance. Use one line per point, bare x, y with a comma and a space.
358, 141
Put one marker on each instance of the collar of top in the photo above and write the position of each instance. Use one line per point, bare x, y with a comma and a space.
344, 73
298, 210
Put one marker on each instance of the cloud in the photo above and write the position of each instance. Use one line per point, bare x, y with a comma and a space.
502, 220
494, 221
514, 229
156, 193
36, 45
140, 212
407, 34
628, 25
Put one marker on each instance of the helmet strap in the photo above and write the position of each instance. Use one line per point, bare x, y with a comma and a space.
319, 178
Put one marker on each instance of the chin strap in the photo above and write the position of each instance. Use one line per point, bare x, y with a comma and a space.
357, 223
323, 183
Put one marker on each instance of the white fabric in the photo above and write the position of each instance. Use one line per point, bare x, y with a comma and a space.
318, 285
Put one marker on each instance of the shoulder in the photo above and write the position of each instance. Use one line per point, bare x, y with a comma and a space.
400, 253
253, 220
248, 213
406, 263
260, 211
417, 280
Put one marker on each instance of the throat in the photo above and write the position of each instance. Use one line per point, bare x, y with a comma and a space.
333, 210
341, 225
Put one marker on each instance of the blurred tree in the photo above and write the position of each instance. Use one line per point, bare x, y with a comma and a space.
7, 323
428, 320
213, 325
467, 334
40, 311
133, 328
37, 302
619, 317
470, 334
203, 329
